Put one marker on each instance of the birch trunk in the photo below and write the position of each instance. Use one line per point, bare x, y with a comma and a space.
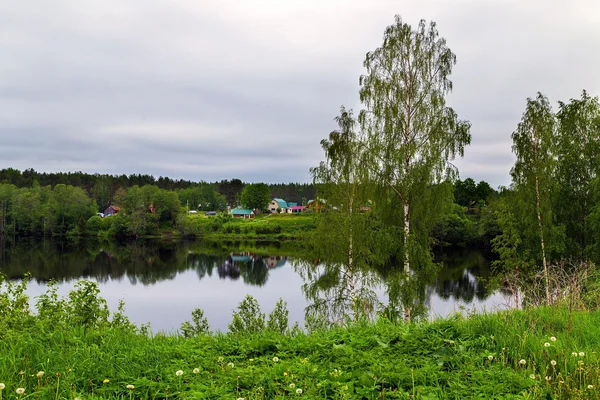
539, 218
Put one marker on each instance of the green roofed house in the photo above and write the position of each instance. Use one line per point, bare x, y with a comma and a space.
242, 213
278, 203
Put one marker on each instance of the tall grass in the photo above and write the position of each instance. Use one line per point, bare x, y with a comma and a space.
86, 352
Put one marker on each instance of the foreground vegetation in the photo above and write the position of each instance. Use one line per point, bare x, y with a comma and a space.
74, 348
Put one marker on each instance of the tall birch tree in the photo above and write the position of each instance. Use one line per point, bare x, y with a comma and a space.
409, 133
347, 240
533, 142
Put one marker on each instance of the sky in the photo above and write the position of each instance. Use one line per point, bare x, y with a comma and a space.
210, 90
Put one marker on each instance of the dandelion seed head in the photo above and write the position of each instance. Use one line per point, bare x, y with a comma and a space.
590, 387
230, 365
532, 376
292, 385
179, 373
40, 374
522, 362
490, 357
553, 339
275, 359
574, 354
220, 359
241, 398
546, 344
548, 378
130, 387
2, 386
553, 362
196, 370
581, 354
298, 391
20, 391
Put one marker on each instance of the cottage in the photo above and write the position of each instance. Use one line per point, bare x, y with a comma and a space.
278, 203
242, 213
111, 210
296, 209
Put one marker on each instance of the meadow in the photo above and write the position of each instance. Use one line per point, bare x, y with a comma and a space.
263, 226
74, 347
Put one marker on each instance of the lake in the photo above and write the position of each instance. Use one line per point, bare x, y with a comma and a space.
162, 282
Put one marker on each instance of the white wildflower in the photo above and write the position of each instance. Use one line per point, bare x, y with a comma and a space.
179, 373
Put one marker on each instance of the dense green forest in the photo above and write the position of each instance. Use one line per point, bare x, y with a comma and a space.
104, 188
46, 206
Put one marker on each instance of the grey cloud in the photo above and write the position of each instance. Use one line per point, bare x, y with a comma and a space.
220, 89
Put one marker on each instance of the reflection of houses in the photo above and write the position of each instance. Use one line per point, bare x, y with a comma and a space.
111, 210
242, 213
278, 203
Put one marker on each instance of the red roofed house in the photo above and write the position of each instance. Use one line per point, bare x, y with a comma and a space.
112, 210
295, 209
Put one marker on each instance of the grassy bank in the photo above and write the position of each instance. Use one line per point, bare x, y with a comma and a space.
262, 227
75, 349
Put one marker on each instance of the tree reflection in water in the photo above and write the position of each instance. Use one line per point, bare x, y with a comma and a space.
335, 291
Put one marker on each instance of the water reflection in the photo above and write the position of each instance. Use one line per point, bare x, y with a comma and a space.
162, 282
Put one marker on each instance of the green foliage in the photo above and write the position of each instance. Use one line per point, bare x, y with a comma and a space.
247, 319
455, 358
256, 196
278, 318
578, 167
198, 326
85, 307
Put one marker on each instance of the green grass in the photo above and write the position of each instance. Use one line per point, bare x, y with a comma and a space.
78, 347
263, 226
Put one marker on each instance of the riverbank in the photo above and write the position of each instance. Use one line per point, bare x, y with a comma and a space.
85, 352
262, 227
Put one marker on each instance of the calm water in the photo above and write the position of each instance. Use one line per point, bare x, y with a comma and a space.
162, 282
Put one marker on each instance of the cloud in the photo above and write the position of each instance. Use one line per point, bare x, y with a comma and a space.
213, 90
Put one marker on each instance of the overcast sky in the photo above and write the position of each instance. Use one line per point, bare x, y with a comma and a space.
211, 90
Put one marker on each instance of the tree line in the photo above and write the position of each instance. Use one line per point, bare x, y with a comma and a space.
550, 214
104, 187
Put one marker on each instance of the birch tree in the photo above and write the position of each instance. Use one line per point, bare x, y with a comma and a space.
532, 174
577, 168
347, 239
409, 133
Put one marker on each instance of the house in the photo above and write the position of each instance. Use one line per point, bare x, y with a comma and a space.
278, 203
111, 210
315, 205
296, 209
242, 213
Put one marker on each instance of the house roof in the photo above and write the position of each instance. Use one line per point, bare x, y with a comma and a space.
282, 203
242, 211
292, 204
116, 208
